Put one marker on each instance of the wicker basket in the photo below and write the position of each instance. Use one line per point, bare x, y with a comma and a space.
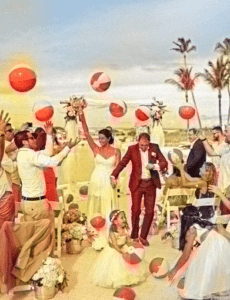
44, 292
73, 247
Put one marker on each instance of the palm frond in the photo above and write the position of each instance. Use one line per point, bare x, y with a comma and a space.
176, 49
174, 82
191, 49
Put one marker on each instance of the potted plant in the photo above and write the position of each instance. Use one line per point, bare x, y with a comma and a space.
49, 278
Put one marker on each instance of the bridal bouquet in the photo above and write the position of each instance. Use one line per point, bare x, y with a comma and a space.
50, 274
73, 106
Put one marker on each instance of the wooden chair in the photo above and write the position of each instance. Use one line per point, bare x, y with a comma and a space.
188, 192
58, 216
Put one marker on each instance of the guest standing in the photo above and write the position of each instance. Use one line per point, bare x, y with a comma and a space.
197, 154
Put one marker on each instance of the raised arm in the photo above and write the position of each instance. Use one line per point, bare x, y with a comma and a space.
3, 122
188, 181
189, 238
90, 140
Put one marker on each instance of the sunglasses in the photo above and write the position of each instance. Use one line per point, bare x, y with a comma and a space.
30, 138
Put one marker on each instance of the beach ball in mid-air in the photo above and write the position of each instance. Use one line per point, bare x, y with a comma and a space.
187, 111
134, 254
43, 111
118, 108
124, 293
175, 155
100, 82
142, 113
159, 267
22, 79
98, 221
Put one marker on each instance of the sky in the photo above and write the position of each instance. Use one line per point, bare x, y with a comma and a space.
66, 42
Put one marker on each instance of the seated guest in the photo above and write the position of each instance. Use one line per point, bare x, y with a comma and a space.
174, 180
225, 198
7, 206
208, 177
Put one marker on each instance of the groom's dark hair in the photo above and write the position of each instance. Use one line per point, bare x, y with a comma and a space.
144, 135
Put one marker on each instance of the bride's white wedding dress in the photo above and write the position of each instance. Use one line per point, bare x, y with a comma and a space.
102, 197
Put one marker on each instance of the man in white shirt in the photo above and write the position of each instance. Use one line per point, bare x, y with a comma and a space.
224, 154
30, 165
218, 145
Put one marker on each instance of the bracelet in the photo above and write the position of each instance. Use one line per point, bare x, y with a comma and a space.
202, 140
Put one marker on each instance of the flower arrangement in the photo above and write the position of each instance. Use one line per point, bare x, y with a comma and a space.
73, 106
50, 274
74, 231
174, 233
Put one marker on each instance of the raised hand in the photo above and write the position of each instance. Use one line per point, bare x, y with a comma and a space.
201, 135
3, 121
48, 127
214, 189
72, 144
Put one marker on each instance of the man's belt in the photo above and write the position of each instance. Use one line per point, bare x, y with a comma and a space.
147, 179
34, 198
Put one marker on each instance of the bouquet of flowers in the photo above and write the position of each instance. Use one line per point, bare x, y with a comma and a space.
74, 216
73, 106
51, 273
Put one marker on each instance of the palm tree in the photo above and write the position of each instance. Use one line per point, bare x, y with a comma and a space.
186, 83
217, 78
183, 48
224, 50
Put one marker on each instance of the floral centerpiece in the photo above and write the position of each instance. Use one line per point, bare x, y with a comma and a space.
49, 278
74, 229
73, 106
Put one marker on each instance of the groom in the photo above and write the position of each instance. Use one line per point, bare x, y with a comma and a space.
144, 180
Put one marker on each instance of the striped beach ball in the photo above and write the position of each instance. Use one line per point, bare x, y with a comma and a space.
134, 254
124, 293
159, 267
22, 79
118, 108
43, 111
142, 113
100, 82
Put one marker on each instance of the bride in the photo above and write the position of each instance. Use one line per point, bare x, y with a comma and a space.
102, 196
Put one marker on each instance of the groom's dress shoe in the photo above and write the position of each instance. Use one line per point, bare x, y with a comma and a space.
144, 242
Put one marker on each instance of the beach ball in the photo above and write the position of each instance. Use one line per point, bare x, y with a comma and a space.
174, 155
142, 113
159, 267
187, 111
124, 293
134, 254
97, 221
43, 111
118, 108
100, 82
22, 79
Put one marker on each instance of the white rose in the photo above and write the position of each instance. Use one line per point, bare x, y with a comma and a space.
49, 261
81, 219
36, 276
60, 278
85, 236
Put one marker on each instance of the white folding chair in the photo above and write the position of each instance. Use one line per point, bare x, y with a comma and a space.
63, 191
188, 192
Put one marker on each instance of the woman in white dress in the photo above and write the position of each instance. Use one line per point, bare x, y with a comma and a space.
102, 196
205, 262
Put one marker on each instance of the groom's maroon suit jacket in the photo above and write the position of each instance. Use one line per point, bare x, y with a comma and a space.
133, 155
